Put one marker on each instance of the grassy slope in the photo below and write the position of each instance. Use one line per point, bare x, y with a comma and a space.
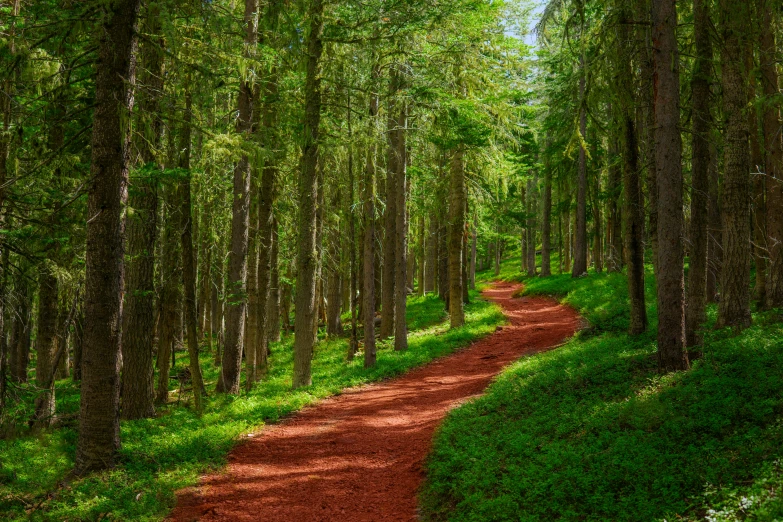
591, 432
164, 454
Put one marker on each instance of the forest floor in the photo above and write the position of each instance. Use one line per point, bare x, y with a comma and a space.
360, 455
169, 452
592, 431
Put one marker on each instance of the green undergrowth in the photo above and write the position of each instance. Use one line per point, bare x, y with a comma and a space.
169, 452
591, 431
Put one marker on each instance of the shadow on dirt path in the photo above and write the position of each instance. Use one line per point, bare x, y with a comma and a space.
359, 455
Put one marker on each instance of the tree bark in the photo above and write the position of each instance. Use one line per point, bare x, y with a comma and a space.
532, 195
714, 229
456, 231
646, 130
236, 302
205, 267
368, 249
580, 250
633, 205
306, 257
614, 218
45, 344
99, 428
20, 332
757, 213
353, 344
273, 304
252, 341
696, 314
773, 148
422, 255
138, 391
734, 305
546, 224
401, 229
334, 279
169, 294
7, 102
443, 259
431, 264
266, 199
598, 260
390, 257
78, 339
188, 260
668, 163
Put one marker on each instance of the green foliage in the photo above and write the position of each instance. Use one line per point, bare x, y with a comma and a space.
591, 431
169, 452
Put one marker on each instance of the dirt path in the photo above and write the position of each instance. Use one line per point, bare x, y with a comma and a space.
359, 455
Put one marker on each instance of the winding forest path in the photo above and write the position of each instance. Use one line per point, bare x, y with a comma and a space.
359, 455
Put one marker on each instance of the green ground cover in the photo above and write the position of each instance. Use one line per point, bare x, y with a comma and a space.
167, 453
591, 431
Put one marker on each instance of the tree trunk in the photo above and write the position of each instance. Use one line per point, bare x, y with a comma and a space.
138, 391
368, 206
204, 276
99, 428
465, 280
546, 224
443, 259
580, 250
498, 254
431, 265
422, 255
334, 279
20, 332
169, 294
668, 162
633, 207
614, 219
78, 339
531, 227
215, 323
7, 101
456, 231
390, 221
252, 320
714, 229
773, 148
523, 239
646, 128
401, 230
306, 257
734, 305
353, 344
236, 291
188, 260
266, 200
567, 245
758, 217
598, 261
285, 301
320, 299
45, 344
695, 314
273, 303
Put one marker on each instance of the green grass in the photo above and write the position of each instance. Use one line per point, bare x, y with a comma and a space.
591, 431
169, 452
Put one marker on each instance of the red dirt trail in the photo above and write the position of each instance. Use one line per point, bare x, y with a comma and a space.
358, 456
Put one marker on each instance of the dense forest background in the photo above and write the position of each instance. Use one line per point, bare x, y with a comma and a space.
196, 195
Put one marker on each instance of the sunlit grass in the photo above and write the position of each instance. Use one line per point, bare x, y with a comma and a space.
169, 452
591, 431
